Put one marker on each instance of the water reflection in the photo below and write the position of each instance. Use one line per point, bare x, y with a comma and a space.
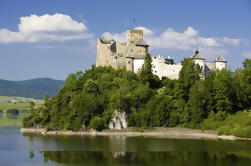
121, 150
9, 114
146, 158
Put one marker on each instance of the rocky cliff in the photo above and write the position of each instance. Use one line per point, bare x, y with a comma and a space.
118, 121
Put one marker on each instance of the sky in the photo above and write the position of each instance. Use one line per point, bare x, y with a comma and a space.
45, 38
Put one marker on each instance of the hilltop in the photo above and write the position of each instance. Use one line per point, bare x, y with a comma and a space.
33, 88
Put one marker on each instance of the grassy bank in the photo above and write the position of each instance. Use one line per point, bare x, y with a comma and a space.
19, 103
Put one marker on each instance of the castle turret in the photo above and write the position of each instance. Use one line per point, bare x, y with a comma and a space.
220, 63
201, 62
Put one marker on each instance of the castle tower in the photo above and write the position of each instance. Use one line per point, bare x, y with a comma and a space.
133, 35
201, 62
220, 63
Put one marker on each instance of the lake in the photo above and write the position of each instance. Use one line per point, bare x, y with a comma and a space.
29, 150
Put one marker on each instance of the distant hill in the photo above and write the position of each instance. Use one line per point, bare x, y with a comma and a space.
34, 88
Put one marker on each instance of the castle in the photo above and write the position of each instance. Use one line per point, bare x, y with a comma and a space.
131, 54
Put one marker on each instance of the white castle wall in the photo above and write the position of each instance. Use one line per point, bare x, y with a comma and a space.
161, 69
220, 65
137, 64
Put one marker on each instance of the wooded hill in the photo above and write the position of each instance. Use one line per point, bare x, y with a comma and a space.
34, 88
89, 99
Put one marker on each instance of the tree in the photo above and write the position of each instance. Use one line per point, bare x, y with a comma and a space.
189, 74
197, 102
246, 83
91, 87
225, 95
145, 73
159, 108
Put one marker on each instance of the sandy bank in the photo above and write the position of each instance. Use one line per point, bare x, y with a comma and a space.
179, 133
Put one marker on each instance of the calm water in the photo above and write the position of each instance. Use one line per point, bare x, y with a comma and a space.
29, 149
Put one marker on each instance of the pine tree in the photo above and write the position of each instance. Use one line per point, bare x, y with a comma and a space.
145, 74
146, 70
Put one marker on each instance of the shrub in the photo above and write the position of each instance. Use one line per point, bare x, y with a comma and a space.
97, 123
242, 132
224, 130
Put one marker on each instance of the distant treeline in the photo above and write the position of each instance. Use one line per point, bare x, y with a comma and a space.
89, 99
34, 88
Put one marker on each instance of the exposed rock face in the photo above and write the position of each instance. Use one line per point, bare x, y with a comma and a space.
118, 121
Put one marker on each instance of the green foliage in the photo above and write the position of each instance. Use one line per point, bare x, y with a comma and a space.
189, 74
91, 87
238, 124
145, 72
97, 123
197, 102
224, 91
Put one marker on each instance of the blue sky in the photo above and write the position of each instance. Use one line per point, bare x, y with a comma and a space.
46, 38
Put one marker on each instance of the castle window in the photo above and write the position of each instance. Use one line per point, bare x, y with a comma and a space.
106, 61
131, 50
155, 71
139, 50
128, 62
116, 57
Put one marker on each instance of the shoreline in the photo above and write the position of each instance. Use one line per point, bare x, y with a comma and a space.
173, 133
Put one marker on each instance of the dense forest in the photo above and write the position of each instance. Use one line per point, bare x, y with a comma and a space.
220, 102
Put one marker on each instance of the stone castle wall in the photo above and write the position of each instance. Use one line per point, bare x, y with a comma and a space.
110, 53
114, 54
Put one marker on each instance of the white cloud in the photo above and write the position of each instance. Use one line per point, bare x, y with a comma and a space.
247, 54
56, 22
191, 32
234, 42
57, 27
211, 53
147, 32
189, 39
121, 37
